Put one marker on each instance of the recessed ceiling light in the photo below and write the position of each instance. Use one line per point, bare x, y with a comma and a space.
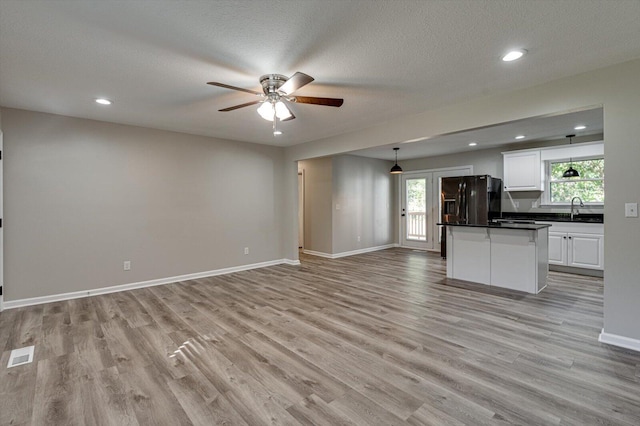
520, 137
513, 55
277, 133
473, 143
103, 101
580, 127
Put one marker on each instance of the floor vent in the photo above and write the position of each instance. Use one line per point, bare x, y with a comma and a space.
20, 356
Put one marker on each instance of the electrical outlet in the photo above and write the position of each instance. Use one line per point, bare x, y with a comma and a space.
127, 265
631, 210
246, 250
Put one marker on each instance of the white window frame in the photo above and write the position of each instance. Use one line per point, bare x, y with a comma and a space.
577, 152
546, 195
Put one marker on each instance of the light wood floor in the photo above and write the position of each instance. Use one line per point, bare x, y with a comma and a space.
379, 338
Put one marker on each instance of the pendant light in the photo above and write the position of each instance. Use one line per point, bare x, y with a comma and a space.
396, 170
570, 172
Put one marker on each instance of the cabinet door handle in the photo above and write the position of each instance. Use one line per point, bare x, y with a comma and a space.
565, 237
569, 237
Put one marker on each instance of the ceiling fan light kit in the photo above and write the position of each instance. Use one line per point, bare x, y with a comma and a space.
267, 109
277, 90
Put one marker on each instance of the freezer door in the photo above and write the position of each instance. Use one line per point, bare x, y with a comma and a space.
477, 199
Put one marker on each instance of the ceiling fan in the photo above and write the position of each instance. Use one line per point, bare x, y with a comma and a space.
277, 92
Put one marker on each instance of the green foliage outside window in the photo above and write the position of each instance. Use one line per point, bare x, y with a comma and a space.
589, 185
416, 195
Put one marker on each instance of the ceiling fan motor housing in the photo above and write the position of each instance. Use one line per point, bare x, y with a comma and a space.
272, 82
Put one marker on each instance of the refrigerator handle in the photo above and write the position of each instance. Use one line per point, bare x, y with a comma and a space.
459, 201
465, 207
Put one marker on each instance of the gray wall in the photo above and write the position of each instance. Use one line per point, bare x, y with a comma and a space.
614, 88
363, 188
82, 196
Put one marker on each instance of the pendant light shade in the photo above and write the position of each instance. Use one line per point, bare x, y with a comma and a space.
570, 172
396, 170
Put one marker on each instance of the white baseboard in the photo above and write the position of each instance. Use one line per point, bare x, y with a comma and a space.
317, 253
348, 253
622, 341
11, 304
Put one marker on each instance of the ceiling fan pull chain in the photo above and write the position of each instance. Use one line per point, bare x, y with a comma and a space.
275, 125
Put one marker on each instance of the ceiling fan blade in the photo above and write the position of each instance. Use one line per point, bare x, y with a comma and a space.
295, 82
290, 112
226, 86
334, 102
239, 106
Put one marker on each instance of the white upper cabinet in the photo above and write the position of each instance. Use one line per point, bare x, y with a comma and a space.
523, 171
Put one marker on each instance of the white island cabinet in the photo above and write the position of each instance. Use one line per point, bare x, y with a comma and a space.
507, 255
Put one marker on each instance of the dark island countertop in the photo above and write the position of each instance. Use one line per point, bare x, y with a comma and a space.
501, 225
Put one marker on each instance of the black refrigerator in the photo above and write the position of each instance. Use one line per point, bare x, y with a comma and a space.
470, 200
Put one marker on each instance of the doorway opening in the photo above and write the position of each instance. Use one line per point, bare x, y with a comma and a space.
301, 210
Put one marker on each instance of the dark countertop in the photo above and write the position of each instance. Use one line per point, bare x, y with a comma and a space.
556, 217
502, 225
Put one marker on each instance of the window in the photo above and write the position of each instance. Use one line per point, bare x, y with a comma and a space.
589, 186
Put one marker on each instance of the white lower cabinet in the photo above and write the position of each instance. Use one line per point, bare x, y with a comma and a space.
576, 245
558, 248
586, 251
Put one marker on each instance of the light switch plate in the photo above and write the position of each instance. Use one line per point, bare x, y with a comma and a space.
631, 210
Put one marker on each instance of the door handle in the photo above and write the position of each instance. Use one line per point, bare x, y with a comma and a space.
403, 215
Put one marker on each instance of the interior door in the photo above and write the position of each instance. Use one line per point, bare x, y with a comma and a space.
416, 212
301, 209
1, 230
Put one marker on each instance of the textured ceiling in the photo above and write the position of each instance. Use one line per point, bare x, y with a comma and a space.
385, 58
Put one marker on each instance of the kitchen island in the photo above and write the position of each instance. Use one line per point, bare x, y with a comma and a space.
507, 255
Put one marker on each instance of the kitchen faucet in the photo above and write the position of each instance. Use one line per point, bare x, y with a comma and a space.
581, 205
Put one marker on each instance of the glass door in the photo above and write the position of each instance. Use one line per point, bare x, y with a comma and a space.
416, 213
